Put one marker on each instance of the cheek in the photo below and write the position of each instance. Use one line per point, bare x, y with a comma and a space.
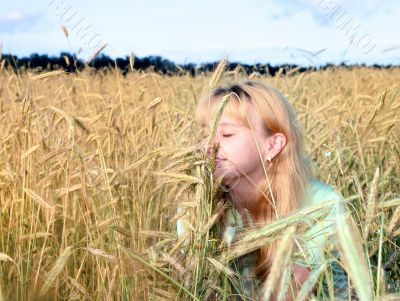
243, 152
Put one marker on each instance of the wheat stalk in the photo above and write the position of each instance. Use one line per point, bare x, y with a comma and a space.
351, 251
394, 221
131, 60
48, 74
372, 201
98, 51
65, 31
217, 75
283, 251
56, 269
378, 107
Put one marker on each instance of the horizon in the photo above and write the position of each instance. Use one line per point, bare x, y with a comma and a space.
215, 62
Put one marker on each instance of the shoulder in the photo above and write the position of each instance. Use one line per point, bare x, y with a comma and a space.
320, 237
318, 192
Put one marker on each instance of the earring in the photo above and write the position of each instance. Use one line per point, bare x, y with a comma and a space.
269, 158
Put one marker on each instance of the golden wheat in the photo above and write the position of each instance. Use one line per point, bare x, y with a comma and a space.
94, 165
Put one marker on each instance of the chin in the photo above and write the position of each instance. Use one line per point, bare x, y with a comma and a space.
230, 178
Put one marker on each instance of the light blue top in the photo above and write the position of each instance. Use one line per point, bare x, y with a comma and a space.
317, 194
315, 242
320, 236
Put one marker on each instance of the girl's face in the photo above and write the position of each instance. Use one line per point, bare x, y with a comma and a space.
237, 154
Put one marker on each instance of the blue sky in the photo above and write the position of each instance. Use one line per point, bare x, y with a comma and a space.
305, 32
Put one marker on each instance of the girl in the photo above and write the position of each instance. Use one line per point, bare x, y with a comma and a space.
260, 159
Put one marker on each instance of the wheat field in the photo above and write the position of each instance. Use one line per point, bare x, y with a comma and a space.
93, 166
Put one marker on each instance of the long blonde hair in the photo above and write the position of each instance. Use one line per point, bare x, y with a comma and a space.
289, 172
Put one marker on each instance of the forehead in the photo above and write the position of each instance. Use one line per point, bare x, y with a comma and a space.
236, 111
230, 120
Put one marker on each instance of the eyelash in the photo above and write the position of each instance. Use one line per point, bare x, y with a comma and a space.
227, 135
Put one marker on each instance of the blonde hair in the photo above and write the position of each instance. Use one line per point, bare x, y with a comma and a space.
289, 172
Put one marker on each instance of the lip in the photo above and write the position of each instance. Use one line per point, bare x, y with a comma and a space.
217, 158
219, 161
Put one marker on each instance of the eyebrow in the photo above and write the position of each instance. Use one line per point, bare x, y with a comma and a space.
228, 123
223, 124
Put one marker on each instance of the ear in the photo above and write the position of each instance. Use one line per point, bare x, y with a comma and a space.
273, 145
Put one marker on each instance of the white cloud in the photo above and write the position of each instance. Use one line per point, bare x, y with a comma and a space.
13, 15
17, 21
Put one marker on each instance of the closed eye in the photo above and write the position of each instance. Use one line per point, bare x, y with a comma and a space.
227, 135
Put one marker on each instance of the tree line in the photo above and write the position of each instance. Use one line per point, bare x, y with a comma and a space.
70, 63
